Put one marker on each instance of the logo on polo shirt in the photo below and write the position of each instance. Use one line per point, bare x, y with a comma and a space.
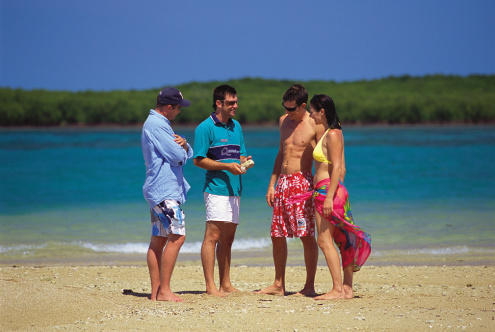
223, 152
227, 152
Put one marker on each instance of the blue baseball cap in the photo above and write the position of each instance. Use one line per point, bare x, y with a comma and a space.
172, 96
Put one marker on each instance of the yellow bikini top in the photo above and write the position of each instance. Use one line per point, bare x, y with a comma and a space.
318, 151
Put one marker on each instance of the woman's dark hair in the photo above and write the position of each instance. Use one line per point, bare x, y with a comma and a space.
323, 101
221, 92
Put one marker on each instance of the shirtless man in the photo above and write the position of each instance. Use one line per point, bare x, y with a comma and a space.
292, 173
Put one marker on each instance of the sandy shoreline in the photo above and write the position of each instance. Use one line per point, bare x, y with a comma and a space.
115, 297
261, 257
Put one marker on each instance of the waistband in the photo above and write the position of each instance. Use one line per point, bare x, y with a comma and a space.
306, 174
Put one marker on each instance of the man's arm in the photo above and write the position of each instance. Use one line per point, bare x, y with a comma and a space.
212, 165
165, 143
270, 193
277, 167
182, 142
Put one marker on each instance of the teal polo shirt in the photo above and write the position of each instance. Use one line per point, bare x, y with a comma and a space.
222, 142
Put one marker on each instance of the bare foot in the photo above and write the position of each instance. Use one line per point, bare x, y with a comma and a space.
169, 296
154, 294
271, 290
332, 295
216, 293
348, 292
229, 290
306, 292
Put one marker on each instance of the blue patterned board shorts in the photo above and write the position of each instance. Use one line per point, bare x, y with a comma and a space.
167, 218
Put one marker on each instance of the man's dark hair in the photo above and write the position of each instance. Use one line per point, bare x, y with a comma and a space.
221, 92
298, 93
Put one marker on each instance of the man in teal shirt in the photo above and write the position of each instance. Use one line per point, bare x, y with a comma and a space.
219, 148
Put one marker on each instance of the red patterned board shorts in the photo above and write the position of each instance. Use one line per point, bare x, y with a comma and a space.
293, 220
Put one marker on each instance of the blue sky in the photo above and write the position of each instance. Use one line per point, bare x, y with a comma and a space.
141, 44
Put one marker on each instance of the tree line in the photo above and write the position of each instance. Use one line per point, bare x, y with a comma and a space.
392, 100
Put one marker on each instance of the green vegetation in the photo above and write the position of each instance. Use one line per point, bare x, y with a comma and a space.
393, 100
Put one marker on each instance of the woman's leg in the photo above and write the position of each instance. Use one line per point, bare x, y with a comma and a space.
348, 276
325, 242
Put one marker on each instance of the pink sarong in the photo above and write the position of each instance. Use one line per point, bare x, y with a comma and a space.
354, 243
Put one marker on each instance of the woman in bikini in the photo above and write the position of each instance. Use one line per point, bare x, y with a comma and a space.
333, 214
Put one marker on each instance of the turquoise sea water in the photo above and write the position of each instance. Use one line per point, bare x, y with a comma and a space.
76, 193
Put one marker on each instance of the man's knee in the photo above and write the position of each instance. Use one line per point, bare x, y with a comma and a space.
177, 239
308, 241
212, 232
279, 241
157, 242
211, 238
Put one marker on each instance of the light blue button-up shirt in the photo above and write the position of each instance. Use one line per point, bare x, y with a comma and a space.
164, 159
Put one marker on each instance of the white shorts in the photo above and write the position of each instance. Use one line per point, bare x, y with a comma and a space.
222, 208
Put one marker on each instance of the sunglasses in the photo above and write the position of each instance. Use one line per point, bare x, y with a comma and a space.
289, 109
230, 102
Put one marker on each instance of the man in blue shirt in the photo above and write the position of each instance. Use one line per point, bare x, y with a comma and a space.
219, 148
165, 189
